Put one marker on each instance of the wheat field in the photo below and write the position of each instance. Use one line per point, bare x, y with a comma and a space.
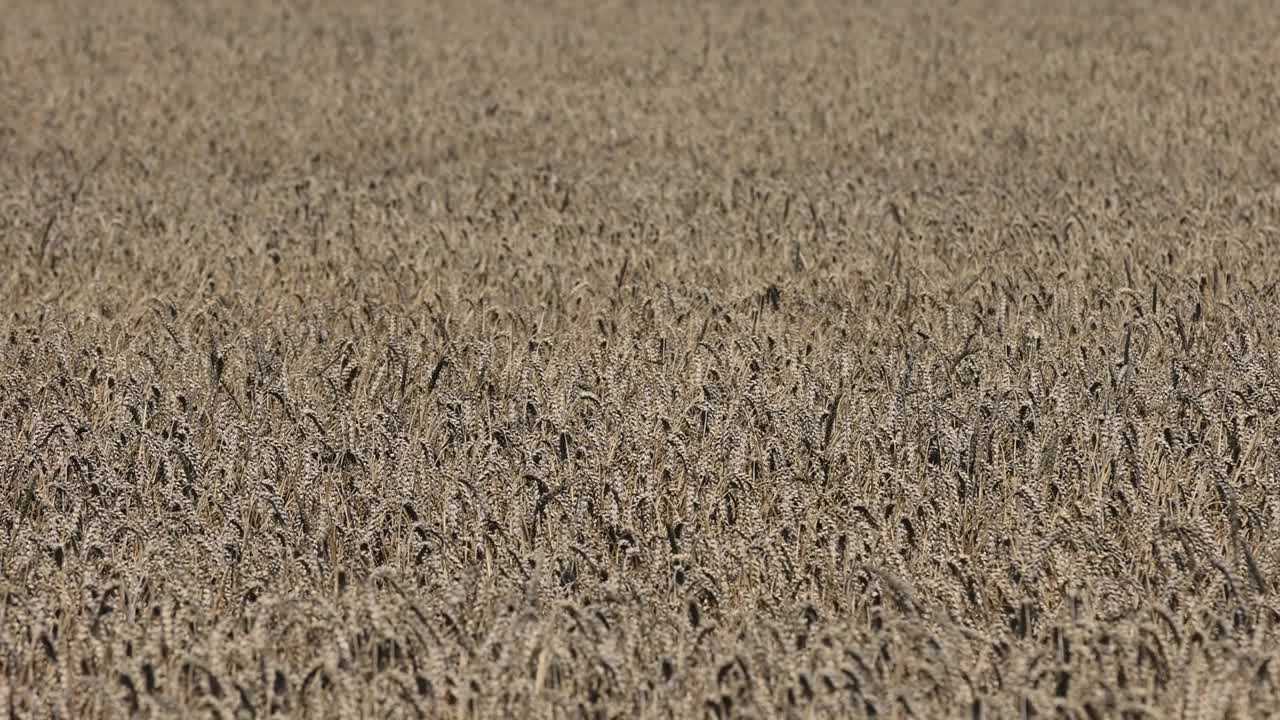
639, 360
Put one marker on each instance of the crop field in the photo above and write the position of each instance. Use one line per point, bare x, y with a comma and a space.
639, 359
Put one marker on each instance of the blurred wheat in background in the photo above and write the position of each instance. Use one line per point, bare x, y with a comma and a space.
628, 360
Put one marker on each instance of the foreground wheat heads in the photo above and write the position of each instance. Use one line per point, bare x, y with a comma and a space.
647, 360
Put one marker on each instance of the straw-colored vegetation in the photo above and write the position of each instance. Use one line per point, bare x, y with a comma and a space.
636, 359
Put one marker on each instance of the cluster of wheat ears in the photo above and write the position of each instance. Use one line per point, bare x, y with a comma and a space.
715, 360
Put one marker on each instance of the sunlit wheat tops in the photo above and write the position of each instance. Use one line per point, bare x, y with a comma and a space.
652, 361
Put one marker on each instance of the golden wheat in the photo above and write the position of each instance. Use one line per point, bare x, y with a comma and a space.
640, 360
